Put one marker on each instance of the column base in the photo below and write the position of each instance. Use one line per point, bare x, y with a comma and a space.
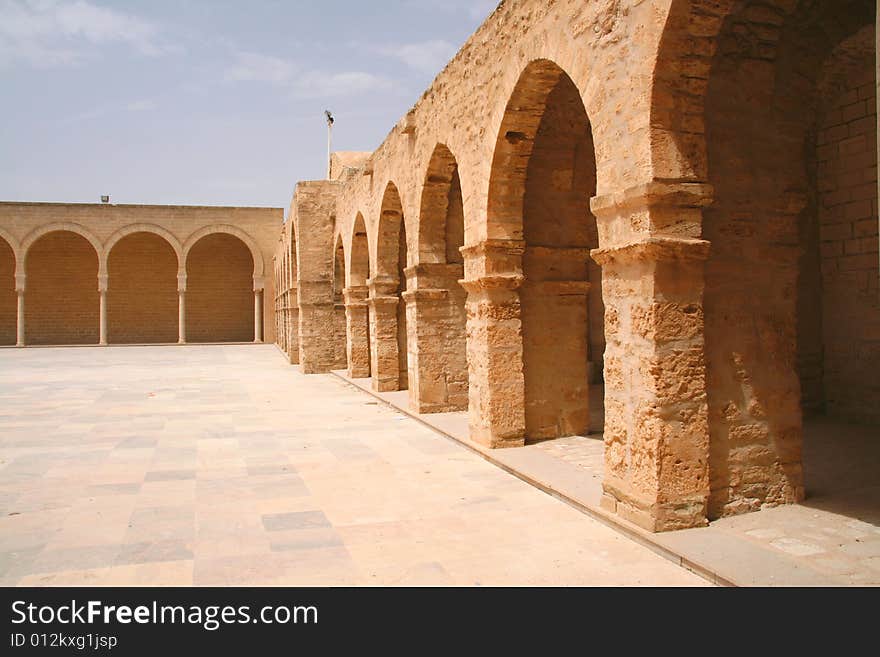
657, 517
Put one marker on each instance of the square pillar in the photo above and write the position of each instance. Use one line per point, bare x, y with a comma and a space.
320, 347
493, 276
385, 363
436, 321
656, 412
20, 284
357, 318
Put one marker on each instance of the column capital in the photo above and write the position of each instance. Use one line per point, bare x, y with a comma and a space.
356, 295
494, 247
181, 282
259, 283
506, 282
425, 294
383, 301
103, 282
653, 195
655, 249
20, 283
559, 288
380, 286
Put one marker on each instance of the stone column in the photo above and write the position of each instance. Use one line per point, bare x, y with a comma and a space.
102, 310
319, 349
493, 276
656, 415
181, 308
385, 365
357, 330
293, 328
438, 377
20, 284
258, 316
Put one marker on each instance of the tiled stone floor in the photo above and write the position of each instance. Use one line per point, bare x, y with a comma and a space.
833, 538
214, 465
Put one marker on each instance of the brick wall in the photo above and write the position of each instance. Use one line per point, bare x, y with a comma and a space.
61, 302
219, 291
848, 233
8, 301
142, 291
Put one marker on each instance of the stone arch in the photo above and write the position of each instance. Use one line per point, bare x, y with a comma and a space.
62, 300
391, 256
357, 316
82, 231
436, 306
359, 271
256, 254
13, 243
441, 215
779, 228
165, 234
221, 277
388, 328
339, 268
8, 296
142, 286
543, 175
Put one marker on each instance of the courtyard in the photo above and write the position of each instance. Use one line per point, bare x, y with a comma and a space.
222, 465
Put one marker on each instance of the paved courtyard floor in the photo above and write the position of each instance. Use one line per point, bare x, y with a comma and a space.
222, 465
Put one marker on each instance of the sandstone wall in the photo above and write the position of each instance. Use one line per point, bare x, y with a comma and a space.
142, 291
8, 297
62, 304
105, 227
848, 229
219, 291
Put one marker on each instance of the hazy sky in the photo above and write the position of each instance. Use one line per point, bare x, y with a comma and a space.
213, 102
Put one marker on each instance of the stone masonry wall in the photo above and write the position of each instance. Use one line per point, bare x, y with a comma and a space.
848, 224
104, 226
142, 291
62, 291
8, 297
219, 294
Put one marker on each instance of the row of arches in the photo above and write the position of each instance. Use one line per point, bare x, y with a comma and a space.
407, 312
62, 287
703, 320
286, 296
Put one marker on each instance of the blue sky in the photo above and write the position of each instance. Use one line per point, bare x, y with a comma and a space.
208, 102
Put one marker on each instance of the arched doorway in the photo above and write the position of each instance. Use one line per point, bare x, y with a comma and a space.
142, 305
437, 305
292, 297
388, 307
62, 300
791, 302
357, 309
8, 296
543, 176
219, 290
339, 320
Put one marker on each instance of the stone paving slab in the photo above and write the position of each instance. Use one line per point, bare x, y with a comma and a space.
222, 465
798, 545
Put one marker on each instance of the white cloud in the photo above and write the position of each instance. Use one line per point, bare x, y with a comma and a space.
426, 57
303, 83
475, 9
142, 105
254, 67
50, 34
145, 105
316, 84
